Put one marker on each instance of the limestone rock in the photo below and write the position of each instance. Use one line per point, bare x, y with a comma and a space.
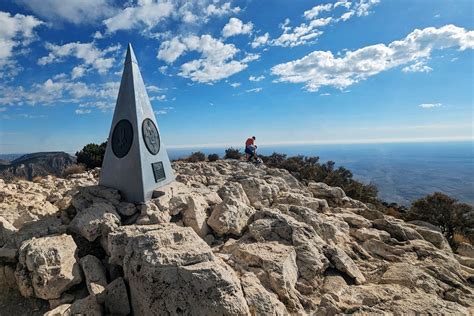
61, 310
230, 217
195, 215
7, 230
97, 220
94, 272
171, 270
465, 250
150, 214
344, 263
126, 209
47, 267
259, 192
333, 195
260, 300
116, 298
87, 306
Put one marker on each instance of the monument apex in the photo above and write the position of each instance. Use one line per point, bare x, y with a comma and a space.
136, 161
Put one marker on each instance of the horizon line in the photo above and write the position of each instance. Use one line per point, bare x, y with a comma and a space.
333, 142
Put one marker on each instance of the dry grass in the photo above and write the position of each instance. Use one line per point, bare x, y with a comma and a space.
73, 169
458, 238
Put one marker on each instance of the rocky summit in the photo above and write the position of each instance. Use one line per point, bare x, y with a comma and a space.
226, 238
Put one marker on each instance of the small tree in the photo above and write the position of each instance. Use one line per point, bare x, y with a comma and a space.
91, 155
196, 157
446, 213
213, 157
232, 153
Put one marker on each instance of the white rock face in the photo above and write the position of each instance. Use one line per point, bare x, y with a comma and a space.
171, 270
227, 238
47, 267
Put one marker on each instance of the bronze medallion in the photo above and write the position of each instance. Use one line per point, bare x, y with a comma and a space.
122, 138
151, 136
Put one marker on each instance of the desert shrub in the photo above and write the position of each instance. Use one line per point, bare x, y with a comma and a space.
451, 217
213, 157
232, 153
196, 157
73, 169
37, 179
91, 155
308, 169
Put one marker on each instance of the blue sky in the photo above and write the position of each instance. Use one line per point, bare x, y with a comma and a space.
357, 71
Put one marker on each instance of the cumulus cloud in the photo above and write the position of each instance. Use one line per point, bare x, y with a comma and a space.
419, 66
309, 31
16, 31
236, 27
322, 68
83, 111
92, 56
256, 90
256, 79
77, 12
235, 84
260, 40
216, 62
147, 14
430, 105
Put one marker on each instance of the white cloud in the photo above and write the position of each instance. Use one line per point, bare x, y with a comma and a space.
256, 90
430, 105
159, 98
321, 68
419, 66
256, 79
164, 111
15, 32
302, 34
363, 7
216, 61
147, 15
78, 72
98, 35
236, 27
260, 40
316, 10
152, 88
77, 12
92, 56
83, 111
235, 84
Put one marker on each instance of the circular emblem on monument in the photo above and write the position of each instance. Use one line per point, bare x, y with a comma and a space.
151, 136
122, 138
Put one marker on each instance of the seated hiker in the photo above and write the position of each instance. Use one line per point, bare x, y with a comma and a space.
250, 148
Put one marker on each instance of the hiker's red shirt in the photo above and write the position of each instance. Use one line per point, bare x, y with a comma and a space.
249, 142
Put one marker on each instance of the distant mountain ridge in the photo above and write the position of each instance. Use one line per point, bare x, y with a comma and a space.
31, 165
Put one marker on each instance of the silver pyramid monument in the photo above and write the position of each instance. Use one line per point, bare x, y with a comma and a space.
136, 161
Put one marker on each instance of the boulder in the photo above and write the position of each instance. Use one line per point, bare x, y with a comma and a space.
150, 214
7, 230
89, 195
260, 193
195, 215
260, 300
171, 270
126, 209
230, 217
116, 298
333, 195
234, 191
94, 273
344, 263
87, 306
297, 199
465, 250
97, 220
61, 310
47, 267
277, 268
396, 229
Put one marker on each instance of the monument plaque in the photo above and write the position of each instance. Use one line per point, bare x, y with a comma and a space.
136, 161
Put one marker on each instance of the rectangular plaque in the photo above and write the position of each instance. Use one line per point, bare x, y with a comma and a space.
158, 171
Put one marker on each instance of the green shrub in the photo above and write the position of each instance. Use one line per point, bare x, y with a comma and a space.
232, 153
451, 217
91, 155
196, 157
213, 157
73, 169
